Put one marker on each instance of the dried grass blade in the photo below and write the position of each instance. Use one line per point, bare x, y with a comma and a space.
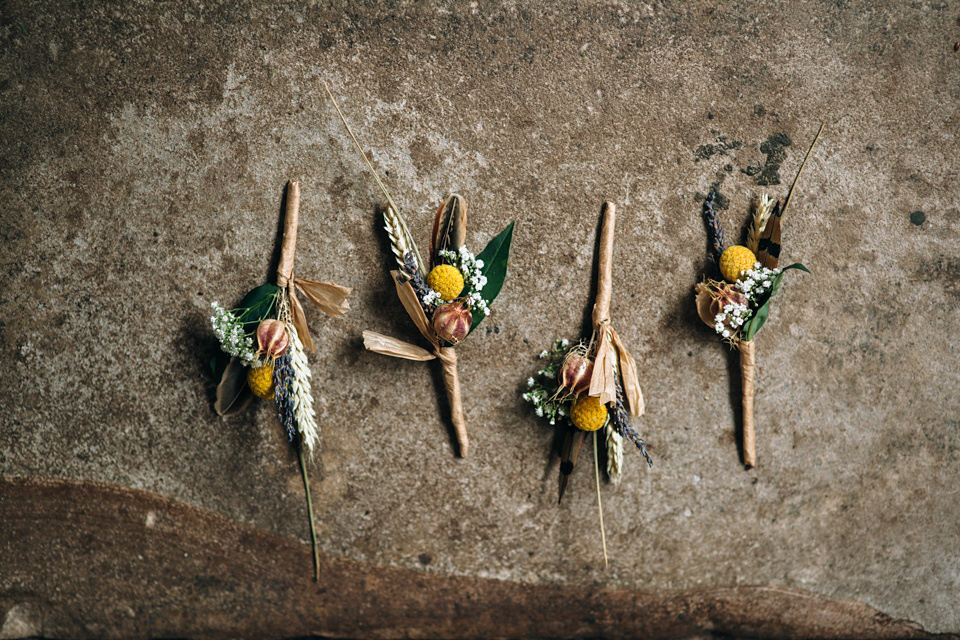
376, 177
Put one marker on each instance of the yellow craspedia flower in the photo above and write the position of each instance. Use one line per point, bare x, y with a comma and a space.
260, 381
588, 414
446, 280
734, 261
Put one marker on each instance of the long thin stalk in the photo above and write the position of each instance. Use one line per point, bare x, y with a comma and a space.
596, 470
313, 530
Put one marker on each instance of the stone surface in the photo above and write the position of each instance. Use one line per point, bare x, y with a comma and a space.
143, 155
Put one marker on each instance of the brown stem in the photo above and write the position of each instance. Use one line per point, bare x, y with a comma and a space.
448, 357
601, 308
289, 246
747, 366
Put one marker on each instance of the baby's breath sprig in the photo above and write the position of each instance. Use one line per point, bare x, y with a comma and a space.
228, 327
543, 391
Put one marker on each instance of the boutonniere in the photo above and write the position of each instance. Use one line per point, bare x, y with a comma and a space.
266, 337
446, 298
588, 388
737, 305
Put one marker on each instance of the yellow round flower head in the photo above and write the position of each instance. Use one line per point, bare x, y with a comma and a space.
734, 261
260, 381
446, 280
588, 414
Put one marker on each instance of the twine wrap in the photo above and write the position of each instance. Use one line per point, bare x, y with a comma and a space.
748, 363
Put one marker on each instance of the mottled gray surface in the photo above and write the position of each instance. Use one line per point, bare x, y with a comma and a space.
143, 156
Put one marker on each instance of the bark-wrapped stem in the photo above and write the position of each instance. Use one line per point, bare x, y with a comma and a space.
748, 364
451, 380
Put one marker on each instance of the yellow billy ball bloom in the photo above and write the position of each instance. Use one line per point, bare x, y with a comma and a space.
446, 280
734, 261
588, 414
260, 381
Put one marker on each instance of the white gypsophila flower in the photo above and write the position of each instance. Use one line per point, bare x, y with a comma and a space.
530, 382
539, 412
614, 442
543, 354
303, 412
726, 333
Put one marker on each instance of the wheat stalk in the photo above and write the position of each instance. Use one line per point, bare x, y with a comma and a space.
306, 418
614, 442
399, 226
400, 241
760, 217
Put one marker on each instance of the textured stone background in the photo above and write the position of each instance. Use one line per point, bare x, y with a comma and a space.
143, 155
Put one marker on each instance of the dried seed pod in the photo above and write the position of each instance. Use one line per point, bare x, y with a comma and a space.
272, 338
575, 373
452, 321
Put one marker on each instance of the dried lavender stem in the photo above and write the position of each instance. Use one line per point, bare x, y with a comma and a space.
714, 228
289, 247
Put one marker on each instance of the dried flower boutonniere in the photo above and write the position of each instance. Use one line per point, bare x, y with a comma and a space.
446, 299
737, 306
266, 336
592, 385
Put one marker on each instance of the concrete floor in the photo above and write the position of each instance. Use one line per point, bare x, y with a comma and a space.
143, 155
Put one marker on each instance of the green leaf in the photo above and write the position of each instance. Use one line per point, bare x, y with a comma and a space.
494, 258
760, 316
257, 305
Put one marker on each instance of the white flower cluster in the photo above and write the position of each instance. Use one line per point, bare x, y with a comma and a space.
471, 268
229, 331
757, 281
543, 403
733, 316
543, 395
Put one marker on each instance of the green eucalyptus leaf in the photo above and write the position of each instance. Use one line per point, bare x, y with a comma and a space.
494, 258
760, 316
257, 305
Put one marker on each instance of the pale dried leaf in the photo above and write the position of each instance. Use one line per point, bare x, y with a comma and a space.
408, 298
300, 322
331, 298
628, 376
603, 384
705, 305
388, 346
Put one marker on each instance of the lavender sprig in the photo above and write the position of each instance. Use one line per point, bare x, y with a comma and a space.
283, 375
714, 229
411, 273
621, 424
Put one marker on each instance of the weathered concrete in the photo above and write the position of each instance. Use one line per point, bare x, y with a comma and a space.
143, 155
